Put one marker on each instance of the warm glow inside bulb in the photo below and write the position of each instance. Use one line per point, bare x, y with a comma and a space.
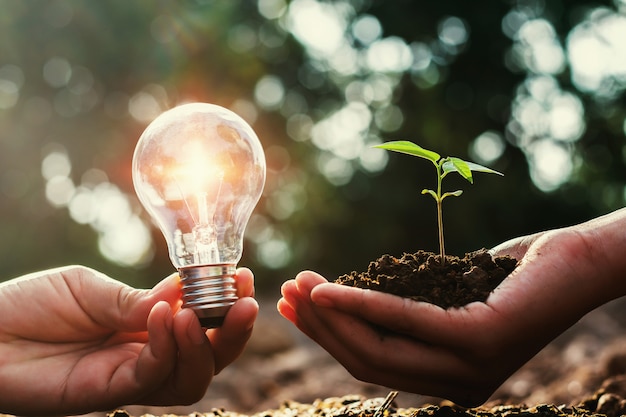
199, 170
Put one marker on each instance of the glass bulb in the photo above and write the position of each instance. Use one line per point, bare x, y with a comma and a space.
199, 170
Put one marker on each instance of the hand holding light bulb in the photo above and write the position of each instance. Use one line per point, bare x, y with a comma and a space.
199, 170
94, 343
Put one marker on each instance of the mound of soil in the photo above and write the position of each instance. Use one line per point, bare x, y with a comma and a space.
422, 276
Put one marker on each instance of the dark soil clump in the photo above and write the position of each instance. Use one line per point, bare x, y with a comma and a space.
422, 277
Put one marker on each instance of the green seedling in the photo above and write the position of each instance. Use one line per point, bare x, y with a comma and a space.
444, 166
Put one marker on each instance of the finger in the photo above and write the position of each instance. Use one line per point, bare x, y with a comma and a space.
158, 358
288, 290
196, 364
432, 324
309, 279
516, 247
286, 310
301, 286
291, 301
168, 289
245, 283
229, 340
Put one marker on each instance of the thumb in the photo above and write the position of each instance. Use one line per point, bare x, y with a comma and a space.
169, 289
516, 247
115, 305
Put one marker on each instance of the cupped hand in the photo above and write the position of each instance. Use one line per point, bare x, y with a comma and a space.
460, 354
74, 341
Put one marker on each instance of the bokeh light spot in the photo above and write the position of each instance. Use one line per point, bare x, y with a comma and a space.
487, 147
12, 73
9, 94
274, 253
272, 9
56, 164
246, 109
389, 55
82, 206
57, 72
337, 171
128, 244
366, 29
539, 48
566, 118
343, 132
259, 229
389, 118
453, 31
597, 53
373, 159
269, 92
422, 56
299, 127
59, 191
144, 107
318, 26
550, 164
11, 81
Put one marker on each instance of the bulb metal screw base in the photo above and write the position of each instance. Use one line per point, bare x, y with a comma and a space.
209, 290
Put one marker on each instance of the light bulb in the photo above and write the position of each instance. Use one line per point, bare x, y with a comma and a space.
199, 170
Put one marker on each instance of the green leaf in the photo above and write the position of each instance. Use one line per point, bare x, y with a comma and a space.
452, 194
457, 164
432, 193
479, 168
465, 168
404, 146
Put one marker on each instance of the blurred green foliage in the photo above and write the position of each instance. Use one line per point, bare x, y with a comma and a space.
320, 82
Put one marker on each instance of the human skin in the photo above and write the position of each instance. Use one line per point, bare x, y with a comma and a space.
73, 341
464, 354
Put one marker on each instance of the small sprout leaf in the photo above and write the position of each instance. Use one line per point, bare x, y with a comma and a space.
460, 166
404, 146
431, 192
479, 168
452, 194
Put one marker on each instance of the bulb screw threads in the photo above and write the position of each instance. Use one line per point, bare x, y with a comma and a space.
209, 290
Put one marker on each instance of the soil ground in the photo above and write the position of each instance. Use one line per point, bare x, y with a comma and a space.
284, 374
